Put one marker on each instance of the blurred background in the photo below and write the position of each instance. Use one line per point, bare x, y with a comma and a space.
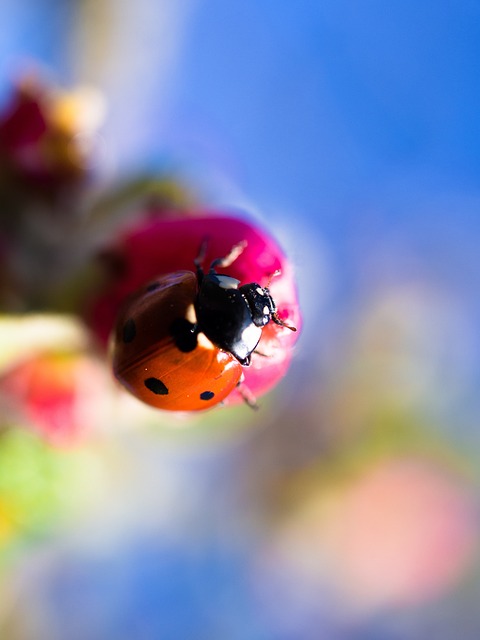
347, 507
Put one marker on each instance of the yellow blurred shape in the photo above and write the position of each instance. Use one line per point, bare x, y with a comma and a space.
23, 336
81, 110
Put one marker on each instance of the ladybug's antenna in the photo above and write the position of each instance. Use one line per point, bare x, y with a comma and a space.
275, 317
282, 323
231, 256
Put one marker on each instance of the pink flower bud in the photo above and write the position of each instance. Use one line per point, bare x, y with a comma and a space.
156, 247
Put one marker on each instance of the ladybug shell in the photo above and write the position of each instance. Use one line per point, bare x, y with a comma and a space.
147, 360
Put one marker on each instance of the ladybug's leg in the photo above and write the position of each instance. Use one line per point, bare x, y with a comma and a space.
263, 355
198, 261
231, 256
247, 395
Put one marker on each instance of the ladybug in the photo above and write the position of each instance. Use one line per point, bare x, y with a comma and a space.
182, 341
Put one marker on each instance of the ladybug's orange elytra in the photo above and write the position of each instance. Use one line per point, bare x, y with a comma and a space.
159, 360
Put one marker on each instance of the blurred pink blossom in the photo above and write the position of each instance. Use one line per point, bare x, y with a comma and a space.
44, 134
399, 533
60, 395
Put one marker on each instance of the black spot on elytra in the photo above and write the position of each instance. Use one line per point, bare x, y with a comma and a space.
184, 335
206, 395
156, 386
129, 330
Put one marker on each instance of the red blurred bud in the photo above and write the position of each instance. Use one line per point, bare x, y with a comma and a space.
60, 395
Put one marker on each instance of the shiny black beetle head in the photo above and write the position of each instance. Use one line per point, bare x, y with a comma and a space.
232, 316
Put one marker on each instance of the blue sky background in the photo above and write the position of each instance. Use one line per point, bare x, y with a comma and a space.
313, 106
394, 87
352, 126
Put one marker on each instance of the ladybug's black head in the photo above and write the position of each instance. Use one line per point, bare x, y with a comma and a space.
232, 317
260, 302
